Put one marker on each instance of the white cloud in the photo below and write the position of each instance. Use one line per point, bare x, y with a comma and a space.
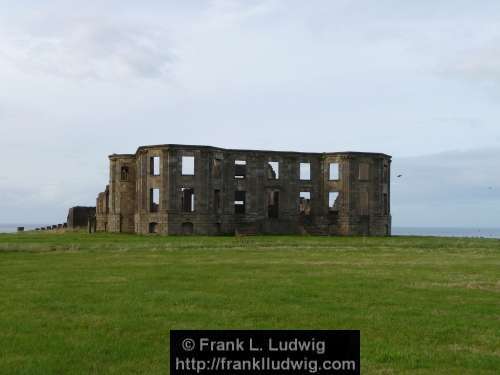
454, 188
481, 63
92, 49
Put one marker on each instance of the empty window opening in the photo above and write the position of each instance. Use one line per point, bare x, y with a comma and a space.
239, 202
334, 171
333, 201
124, 174
305, 203
386, 173
364, 200
187, 199
217, 167
187, 165
273, 203
273, 172
187, 228
240, 169
305, 171
364, 225
386, 204
154, 198
154, 165
217, 200
218, 228
364, 171
333, 218
153, 227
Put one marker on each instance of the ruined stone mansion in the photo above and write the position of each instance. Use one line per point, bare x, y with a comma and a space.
180, 189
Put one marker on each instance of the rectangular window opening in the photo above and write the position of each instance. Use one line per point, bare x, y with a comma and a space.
386, 204
273, 203
187, 199
386, 173
334, 171
305, 203
187, 165
273, 170
124, 173
217, 200
154, 199
154, 165
333, 201
239, 202
240, 169
364, 171
217, 167
153, 227
305, 171
364, 204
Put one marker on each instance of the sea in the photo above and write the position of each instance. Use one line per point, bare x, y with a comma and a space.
447, 232
11, 228
397, 231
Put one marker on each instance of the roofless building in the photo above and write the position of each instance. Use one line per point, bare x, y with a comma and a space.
183, 189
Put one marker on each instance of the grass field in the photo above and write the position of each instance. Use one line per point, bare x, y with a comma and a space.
104, 304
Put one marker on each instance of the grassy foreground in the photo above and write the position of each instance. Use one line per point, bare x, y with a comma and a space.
104, 304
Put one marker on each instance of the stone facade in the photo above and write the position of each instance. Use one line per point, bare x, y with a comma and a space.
181, 189
78, 218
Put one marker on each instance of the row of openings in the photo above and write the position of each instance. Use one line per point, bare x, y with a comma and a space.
304, 202
240, 169
187, 228
187, 199
304, 208
240, 199
273, 199
333, 171
187, 166
273, 170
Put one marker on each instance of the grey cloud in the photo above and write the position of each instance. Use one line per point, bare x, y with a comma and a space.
93, 49
463, 184
44, 201
478, 63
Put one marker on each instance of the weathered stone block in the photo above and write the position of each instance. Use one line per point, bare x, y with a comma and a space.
79, 217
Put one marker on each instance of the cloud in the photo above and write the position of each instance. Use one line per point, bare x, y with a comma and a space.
81, 80
90, 49
454, 188
226, 12
481, 63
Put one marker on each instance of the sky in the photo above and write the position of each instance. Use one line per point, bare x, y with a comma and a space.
419, 80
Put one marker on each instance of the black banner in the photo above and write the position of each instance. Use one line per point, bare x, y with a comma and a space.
264, 352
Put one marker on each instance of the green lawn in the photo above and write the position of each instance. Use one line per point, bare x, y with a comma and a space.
80, 304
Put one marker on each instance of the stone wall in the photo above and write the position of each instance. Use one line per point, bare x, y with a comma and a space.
246, 191
78, 217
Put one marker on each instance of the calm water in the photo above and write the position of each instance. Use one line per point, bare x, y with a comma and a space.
399, 231
10, 228
447, 232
